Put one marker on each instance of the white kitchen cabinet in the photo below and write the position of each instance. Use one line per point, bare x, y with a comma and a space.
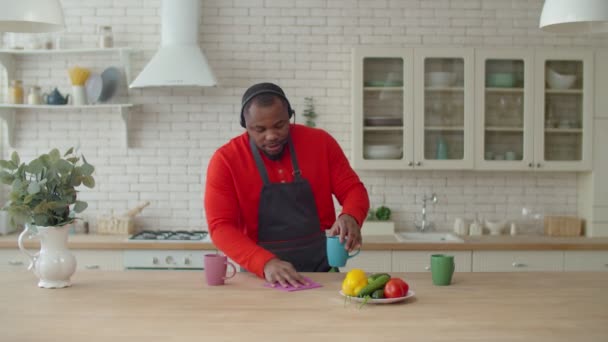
420, 261
382, 102
517, 261
9, 60
504, 89
563, 117
13, 260
443, 108
412, 108
105, 260
465, 108
370, 261
586, 261
523, 121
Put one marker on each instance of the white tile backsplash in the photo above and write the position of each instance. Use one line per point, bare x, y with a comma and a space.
304, 46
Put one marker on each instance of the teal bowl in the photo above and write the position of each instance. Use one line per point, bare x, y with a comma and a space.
500, 79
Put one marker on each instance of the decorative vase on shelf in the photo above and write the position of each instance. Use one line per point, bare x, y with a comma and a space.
442, 149
54, 265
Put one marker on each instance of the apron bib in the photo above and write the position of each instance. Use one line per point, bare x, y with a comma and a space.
288, 222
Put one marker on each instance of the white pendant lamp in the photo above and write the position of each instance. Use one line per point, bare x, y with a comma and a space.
574, 16
31, 16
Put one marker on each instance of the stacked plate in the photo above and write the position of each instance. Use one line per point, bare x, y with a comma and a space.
383, 121
382, 152
102, 87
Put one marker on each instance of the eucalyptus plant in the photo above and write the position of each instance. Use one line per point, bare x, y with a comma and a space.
309, 112
43, 192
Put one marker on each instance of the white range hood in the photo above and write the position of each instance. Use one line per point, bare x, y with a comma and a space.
179, 60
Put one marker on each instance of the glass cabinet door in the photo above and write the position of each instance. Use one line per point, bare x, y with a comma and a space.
565, 111
383, 108
446, 110
505, 108
563, 119
382, 104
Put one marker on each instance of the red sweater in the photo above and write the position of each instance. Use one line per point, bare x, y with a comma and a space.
233, 187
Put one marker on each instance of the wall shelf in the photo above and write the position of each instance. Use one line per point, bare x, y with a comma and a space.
8, 113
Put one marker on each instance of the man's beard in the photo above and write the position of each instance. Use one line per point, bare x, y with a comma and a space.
277, 156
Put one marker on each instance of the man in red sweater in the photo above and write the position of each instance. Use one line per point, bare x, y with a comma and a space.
268, 195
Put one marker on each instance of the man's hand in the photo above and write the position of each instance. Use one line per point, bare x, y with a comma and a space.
282, 272
347, 227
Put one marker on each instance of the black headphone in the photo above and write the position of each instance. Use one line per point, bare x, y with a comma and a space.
263, 88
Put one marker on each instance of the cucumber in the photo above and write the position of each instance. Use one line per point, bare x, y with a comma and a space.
375, 276
377, 284
378, 294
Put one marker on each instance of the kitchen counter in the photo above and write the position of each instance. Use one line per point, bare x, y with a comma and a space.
485, 242
179, 306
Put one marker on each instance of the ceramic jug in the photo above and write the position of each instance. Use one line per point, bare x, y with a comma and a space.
55, 98
54, 264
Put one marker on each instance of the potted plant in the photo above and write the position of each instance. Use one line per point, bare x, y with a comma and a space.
309, 112
43, 198
378, 222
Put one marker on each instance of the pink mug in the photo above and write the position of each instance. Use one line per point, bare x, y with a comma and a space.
216, 266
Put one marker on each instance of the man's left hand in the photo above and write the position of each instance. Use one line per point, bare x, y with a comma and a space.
347, 227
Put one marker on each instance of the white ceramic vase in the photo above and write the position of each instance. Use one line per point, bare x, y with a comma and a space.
79, 96
54, 264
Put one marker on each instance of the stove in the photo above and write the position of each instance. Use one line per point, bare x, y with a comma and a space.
163, 256
170, 235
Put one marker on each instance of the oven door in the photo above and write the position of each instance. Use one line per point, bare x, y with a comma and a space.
152, 259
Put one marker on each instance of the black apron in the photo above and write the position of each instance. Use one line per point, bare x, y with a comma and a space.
288, 222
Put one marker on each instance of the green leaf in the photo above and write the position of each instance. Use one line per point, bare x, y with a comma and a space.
54, 155
80, 206
42, 220
75, 180
73, 160
6, 178
87, 169
69, 151
15, 158
33, 188
88, 181
35, 166
7, 165
63, 166
29, 198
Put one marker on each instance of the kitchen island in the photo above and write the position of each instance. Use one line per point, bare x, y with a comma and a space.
179, 306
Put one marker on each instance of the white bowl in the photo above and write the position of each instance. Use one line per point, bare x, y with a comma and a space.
382, 151
559, 81
440, 79
495, 228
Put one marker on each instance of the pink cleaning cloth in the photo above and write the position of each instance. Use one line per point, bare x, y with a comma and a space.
290, 288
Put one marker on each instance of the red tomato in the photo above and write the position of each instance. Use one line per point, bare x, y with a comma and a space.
395, 288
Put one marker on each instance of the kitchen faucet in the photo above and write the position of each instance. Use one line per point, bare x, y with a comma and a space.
425, 225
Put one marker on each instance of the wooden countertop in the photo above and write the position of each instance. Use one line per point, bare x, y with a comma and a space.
378, 243
178, 306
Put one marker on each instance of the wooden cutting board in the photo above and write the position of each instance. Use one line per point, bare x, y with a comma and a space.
563, 226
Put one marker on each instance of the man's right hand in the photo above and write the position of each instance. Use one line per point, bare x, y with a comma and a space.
283, 273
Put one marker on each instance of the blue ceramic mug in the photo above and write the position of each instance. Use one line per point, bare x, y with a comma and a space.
336, 254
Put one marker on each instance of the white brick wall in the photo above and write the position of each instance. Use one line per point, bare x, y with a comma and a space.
303, 45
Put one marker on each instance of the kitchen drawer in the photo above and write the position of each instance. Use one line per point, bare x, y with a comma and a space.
98, 260
517, 261
420, 261
586, 261
370, 261
13, 260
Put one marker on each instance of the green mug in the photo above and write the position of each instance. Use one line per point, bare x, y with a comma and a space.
442, 269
